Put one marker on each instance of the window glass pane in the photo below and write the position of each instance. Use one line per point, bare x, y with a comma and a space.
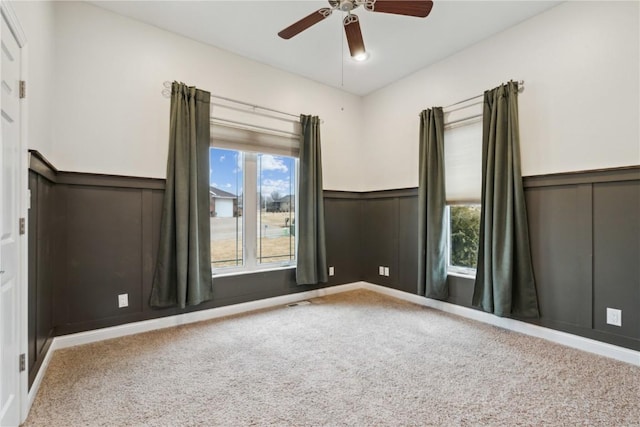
276, 219
226, 207
464, 235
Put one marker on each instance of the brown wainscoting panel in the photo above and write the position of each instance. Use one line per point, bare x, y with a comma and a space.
616, 243
112, 181
104, 251
247, 287
380, 240
42, 228
460, 290
106, 241
560, 234
41, 166
387, 194
32, 307
407, 253
47, 225
60, 259
344, 235
627, 173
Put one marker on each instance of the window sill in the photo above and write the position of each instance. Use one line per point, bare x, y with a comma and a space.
463, 275
258, 270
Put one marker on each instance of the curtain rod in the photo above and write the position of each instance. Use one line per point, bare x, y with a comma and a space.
520, 89
167, 93
243, 110
460, 121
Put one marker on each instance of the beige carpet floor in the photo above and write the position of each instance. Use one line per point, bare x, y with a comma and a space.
356, 358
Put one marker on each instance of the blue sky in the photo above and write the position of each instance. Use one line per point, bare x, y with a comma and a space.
225, 170
276, 172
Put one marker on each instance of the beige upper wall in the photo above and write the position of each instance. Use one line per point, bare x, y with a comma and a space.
111, 117
580, 108
95, 103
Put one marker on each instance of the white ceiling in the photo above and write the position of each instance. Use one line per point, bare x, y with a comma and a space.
398, 45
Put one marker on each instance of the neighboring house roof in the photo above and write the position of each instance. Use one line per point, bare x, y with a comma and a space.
221, 194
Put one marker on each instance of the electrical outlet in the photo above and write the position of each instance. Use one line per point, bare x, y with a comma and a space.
332, 271
381, 271
123, 300
386, 271
614, 316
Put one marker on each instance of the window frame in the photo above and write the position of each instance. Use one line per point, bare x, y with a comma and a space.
471, 113
250, 218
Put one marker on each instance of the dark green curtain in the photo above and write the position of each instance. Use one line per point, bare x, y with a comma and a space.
504, 283
312, 253
432, 265
183, 270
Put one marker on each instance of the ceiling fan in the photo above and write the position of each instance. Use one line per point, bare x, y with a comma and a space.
351, 22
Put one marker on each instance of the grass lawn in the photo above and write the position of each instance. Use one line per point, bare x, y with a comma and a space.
275, 243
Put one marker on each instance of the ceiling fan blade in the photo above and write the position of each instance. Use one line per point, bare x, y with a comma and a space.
354, 35
419, 8
305, 23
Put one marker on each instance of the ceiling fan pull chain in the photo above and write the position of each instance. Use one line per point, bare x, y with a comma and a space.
342, 59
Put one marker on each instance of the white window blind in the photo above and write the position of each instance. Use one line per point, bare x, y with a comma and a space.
463, 163
247, 131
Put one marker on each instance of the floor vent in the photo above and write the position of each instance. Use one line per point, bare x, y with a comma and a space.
294, 304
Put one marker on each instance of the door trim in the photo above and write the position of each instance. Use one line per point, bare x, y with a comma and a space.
23, 326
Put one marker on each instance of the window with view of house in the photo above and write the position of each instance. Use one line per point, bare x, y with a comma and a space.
253, 162
253, 205
226, 207
463, 178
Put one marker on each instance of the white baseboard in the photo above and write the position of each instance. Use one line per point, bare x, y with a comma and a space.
88, 337
563, 338
33, 391
559, 337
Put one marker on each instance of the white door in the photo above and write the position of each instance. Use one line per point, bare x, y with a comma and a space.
9, 231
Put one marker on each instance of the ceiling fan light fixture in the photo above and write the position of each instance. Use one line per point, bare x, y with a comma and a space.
361, 57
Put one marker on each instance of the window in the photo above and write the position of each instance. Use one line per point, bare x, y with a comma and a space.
253, 205
277, 195
253, 162
463, 237
226, 207
463, 177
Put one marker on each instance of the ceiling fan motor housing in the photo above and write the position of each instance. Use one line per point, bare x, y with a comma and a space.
344, 5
